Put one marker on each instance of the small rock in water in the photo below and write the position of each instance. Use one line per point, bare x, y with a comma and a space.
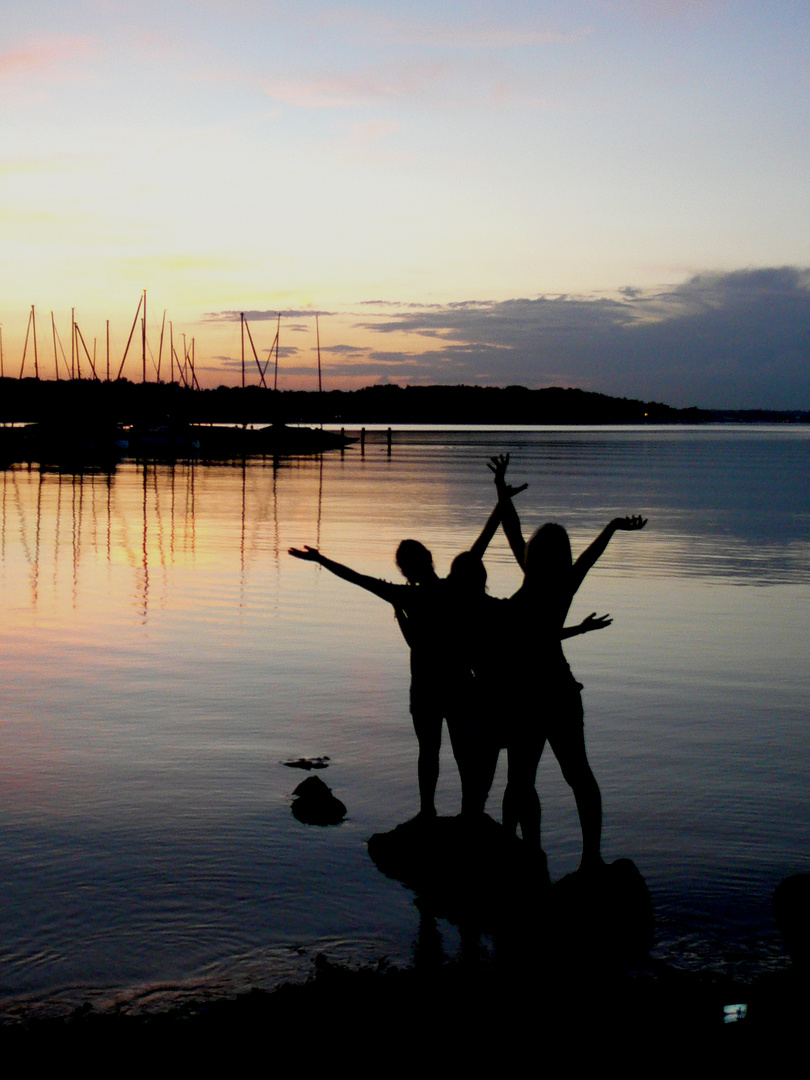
314, 803
307, 763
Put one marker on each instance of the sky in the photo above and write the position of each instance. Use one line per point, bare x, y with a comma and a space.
607, 194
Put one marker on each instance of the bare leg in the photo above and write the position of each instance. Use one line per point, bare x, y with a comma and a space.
477, 776
589, 806
428, 728
509, 810
568, 743
521, 806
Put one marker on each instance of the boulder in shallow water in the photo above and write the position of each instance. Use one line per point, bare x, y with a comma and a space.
314, 803
791, 908
604, 914
463, 869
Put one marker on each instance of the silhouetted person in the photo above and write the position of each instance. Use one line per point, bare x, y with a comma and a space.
481, 627
439, 664
541, 693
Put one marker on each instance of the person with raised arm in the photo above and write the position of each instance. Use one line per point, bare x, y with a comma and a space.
425, 609
543, 697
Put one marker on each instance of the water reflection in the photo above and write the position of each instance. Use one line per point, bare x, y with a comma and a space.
161, 657
146, 517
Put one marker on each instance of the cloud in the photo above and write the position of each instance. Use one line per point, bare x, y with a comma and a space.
499, 37
235, 362
345, 350
672, 9
373, 130
264, 316
398, 304
737, 339
43, 54
377, 28
372, 85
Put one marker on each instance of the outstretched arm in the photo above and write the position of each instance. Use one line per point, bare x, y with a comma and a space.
597, 548
593, 622
384, 589
508, 514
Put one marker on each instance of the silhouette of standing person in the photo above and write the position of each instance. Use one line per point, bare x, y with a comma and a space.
424, 612
543, 697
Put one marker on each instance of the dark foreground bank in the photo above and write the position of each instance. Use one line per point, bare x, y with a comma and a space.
464, 1015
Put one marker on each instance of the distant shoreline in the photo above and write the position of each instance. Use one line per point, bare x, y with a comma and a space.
121, 401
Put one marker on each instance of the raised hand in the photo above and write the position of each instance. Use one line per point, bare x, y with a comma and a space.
498, 465
595, 622
309, 554
630, 524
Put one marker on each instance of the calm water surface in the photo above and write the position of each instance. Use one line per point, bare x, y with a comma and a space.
161, 656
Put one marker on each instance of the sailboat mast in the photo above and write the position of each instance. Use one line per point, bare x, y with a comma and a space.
25, 346
108, 350
76, 335
318, 343
160, 347
129, 339
143, 338
242, 328
278, 333
55, 358
36, 354
73, 343
194, 379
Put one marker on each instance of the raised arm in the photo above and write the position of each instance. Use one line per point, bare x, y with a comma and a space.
508, 515
488, 531
597, 548
505, 496
384, 589
593, 622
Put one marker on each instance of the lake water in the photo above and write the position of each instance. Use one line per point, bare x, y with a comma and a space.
161, 656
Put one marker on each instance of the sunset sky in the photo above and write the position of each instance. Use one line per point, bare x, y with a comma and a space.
609, 194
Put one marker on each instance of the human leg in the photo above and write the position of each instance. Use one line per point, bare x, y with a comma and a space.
428, 727
567, 740
521, 805
477, 770
475, 749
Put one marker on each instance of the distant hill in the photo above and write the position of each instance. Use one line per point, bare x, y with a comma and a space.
127, 402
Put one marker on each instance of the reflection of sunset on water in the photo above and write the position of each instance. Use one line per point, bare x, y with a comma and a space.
161, 655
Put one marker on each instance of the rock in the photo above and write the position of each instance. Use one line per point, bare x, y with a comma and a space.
791, 908
307, 763
604, 914
476, 875
462, 869
314, 803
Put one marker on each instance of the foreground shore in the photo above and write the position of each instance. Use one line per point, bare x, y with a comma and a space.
466, 1014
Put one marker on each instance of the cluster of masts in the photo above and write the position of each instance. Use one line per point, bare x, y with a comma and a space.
273, 351
83, 365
